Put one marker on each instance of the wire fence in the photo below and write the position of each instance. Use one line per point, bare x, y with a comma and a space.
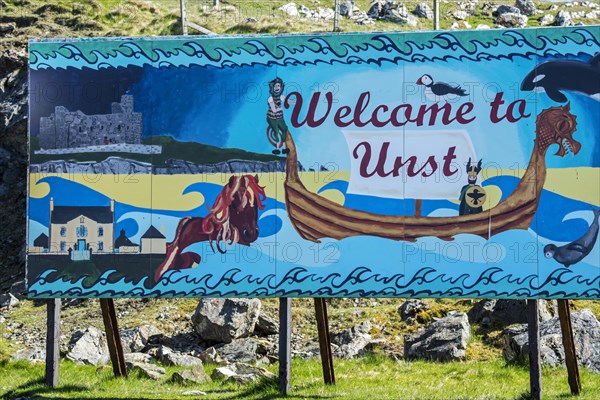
273, 16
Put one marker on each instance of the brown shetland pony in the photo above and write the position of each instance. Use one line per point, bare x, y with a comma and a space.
233, 218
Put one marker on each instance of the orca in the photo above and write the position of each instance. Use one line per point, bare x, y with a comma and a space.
553, 77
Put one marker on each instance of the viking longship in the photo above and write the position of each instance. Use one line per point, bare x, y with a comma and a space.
315, 217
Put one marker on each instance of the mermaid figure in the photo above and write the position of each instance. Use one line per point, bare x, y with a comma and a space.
277, 130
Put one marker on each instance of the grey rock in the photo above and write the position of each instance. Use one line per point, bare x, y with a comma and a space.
352, 341
6, 28
8, 300
422, 10
241, 373
266, 325
19, 290
190, 376
290, 9
31, 354
586, 332
181, 360
460, 14
138, 358
222, 320
377, 9
564, 18
512, 20
546, 20
243, 350
326, 14
89, 347
135, 339
211, 356
495, 312
527, 7
150, 371
347, 8
504, 9
444, 340
411, 308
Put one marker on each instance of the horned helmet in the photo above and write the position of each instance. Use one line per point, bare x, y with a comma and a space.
472, 171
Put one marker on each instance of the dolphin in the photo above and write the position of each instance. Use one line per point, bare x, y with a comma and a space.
576, 251
568, 75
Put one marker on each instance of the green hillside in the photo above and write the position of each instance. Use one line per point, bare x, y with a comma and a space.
193, 152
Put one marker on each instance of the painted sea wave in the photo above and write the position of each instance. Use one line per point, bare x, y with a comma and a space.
283, 50
280, 263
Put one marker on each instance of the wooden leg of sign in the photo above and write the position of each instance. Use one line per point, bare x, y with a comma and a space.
324, 342
564, 315
53, 342
535, 359
113, 337
285, 344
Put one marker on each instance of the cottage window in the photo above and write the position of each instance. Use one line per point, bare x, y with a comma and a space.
82, 231
101, 246
82, 219
63, 231
100, 231
63, 246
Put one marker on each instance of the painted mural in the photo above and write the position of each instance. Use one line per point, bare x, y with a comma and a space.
429, 164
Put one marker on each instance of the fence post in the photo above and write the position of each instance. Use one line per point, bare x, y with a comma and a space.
182, 6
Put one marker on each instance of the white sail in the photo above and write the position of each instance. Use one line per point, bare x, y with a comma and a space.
409, 164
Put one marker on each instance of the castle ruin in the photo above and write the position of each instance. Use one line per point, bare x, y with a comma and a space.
65, 129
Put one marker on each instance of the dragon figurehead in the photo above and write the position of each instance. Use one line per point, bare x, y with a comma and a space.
556, 125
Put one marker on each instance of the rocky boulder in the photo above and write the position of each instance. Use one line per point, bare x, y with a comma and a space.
352, 341
527, 7
494, 312
266, 325
34, 354
193, 376
422, 10
512, 20
411, 308
586, 331
7, 300
504, 9
89, 347
444, 340
241, 373
243, 350
149, 371
564, 18
136, 339
222, 320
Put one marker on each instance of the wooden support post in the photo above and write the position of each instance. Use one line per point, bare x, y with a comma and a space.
336, 16
182, 6
535, 359
285, 344
436, 15
53, 342
113, 337
324, 341
564, 315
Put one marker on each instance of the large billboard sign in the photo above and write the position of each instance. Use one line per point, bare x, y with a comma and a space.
430, 164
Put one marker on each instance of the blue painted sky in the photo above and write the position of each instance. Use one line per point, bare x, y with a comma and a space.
227, 107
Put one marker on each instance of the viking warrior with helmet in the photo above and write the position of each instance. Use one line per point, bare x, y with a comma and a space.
472, 196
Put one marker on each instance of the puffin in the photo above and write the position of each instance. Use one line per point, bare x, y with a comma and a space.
439, 90
576, 251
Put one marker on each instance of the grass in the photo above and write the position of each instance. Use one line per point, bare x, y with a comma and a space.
37, 18
373, 377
